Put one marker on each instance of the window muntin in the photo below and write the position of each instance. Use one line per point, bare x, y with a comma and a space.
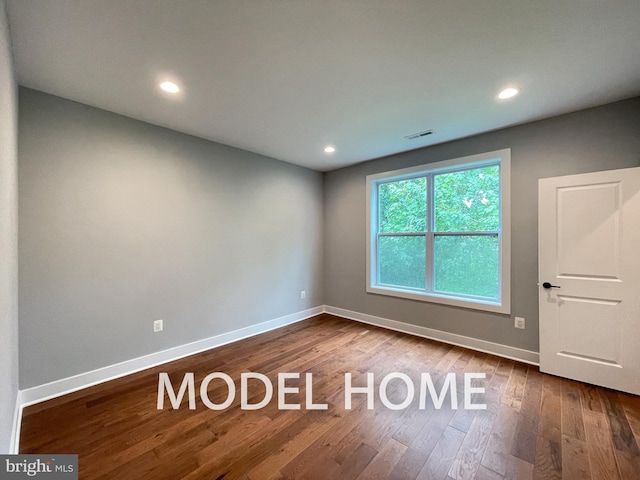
437, 232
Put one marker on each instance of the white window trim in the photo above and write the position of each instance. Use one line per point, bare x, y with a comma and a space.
503, 305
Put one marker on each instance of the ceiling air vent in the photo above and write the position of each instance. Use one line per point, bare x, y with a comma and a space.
413, 136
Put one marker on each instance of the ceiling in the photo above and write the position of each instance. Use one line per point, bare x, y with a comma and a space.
285, 78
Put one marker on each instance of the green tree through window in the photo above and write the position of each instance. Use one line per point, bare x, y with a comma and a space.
439, 231
467, 208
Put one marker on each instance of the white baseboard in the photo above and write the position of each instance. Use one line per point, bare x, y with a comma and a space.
14, 446
506, 351
63, 386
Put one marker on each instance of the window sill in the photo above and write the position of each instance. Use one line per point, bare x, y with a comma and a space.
484, 305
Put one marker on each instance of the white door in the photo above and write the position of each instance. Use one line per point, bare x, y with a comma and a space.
589, 257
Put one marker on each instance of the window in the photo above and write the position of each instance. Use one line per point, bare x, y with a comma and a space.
440, 232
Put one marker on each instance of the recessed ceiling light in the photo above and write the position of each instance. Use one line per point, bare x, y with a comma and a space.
508, 93
169, 87
329, 149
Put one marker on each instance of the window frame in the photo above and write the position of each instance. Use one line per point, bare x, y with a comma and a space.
497, 157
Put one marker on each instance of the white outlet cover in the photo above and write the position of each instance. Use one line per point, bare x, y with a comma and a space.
157, 326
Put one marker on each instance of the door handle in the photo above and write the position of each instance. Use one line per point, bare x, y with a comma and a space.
548, 285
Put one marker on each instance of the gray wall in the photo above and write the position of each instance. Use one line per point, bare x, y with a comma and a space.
8, 237
123, 223
596, 139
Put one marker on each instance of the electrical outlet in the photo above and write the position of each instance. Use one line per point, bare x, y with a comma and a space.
157, 326
519, 322
303, 294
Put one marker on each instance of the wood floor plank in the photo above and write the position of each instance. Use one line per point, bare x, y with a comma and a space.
498, 449
518, 469
413, 424
535, 425
146, 467
447, 362
381, 426
485, 473
381, 466
621, 433
356, 462
548, 462
292, 448
550, 425
575, 458
351, 442
318, 468
243, 457
467, 461
463, 418
327, 443
602, 460
231, 450
443, 455
514, 391
495, 389
413, 460
631, 406
590, 398
635, 428
525, 443
572, 423
628, 465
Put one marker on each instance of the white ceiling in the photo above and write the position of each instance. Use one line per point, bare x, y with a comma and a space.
284, 78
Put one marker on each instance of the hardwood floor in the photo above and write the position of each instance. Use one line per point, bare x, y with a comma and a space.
535, 426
